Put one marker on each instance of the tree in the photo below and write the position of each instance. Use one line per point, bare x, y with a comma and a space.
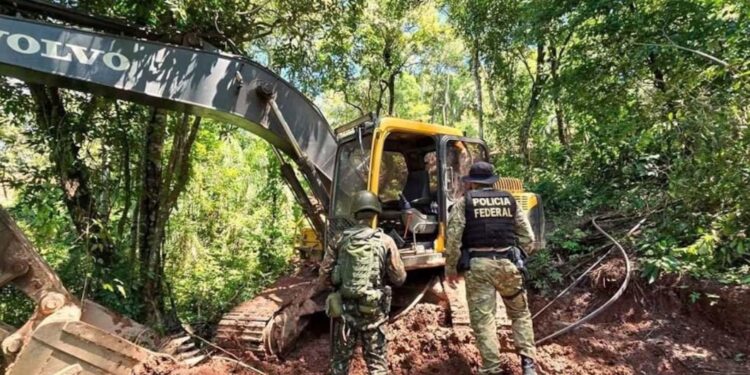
393, 37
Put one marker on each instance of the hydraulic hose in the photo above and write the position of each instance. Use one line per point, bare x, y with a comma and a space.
573, 284
604, 306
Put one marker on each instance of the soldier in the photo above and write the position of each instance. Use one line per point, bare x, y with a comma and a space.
488, 225
364, 259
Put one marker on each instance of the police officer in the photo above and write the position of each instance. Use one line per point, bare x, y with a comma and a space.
488, 224
358, 323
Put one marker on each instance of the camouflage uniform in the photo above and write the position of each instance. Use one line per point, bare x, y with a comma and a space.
325, 269
370, 330
486, 277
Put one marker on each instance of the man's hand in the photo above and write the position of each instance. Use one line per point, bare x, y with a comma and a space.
452, 279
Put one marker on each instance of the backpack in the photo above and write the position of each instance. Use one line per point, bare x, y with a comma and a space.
356, 269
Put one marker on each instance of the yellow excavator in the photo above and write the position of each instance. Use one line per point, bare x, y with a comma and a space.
413, 167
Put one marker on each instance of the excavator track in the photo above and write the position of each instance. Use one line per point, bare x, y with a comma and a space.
458, 306
268, 324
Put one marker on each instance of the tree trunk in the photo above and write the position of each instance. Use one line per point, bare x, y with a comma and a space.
562, 131
392, 71
446, 99
179, 167
391, 93
495, 105
150, 235
476, 71
161, 190
65, 134
127, 176
379, 104
659, 81
434, 102
534, 101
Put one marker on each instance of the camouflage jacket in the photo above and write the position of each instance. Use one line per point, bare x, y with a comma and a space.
455, 232
389, 257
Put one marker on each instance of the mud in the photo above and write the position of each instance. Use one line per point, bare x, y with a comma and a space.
652, 329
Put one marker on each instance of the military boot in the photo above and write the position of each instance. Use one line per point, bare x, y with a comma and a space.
528, 365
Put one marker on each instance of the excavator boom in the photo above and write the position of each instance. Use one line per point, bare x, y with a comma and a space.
206, 83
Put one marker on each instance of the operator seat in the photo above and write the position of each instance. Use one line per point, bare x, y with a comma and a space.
417, 188
417, 193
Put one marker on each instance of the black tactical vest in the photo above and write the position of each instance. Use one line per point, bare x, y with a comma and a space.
490, 219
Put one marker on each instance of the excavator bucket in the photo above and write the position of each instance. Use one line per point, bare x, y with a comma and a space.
106, 320
74, 347
63, 336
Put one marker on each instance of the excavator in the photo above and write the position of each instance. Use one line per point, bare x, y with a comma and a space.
413, 167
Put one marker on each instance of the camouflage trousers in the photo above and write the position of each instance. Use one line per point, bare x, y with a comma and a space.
344, 341
488, 276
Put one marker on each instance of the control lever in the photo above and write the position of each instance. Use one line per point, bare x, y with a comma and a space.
405, 205
397, 238
403, 202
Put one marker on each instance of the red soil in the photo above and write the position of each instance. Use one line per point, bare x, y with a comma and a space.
652, 329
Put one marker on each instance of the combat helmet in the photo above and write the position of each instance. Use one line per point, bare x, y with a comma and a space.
364, 200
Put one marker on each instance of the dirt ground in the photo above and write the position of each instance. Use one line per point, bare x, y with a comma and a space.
652, 329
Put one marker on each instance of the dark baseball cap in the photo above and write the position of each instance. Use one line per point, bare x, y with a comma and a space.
481, 172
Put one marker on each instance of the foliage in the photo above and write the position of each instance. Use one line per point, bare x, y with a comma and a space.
638, 107
225, 242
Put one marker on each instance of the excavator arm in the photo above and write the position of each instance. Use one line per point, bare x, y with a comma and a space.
211, 84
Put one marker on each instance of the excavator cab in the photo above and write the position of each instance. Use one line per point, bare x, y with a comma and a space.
415, 170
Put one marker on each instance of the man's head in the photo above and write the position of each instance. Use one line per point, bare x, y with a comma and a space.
480, 175
365, 205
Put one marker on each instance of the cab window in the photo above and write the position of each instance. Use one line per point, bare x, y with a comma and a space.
460, 155
352, 174
431, 165
393, 174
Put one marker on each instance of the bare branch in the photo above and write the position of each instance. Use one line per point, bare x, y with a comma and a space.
255, 10
230, 42
346, 100
699, 53
526, 64
565, 43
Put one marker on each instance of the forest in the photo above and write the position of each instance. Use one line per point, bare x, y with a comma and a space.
638, 109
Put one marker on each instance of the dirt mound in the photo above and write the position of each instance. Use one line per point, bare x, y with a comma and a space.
420, 343
673, 327
423, 343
